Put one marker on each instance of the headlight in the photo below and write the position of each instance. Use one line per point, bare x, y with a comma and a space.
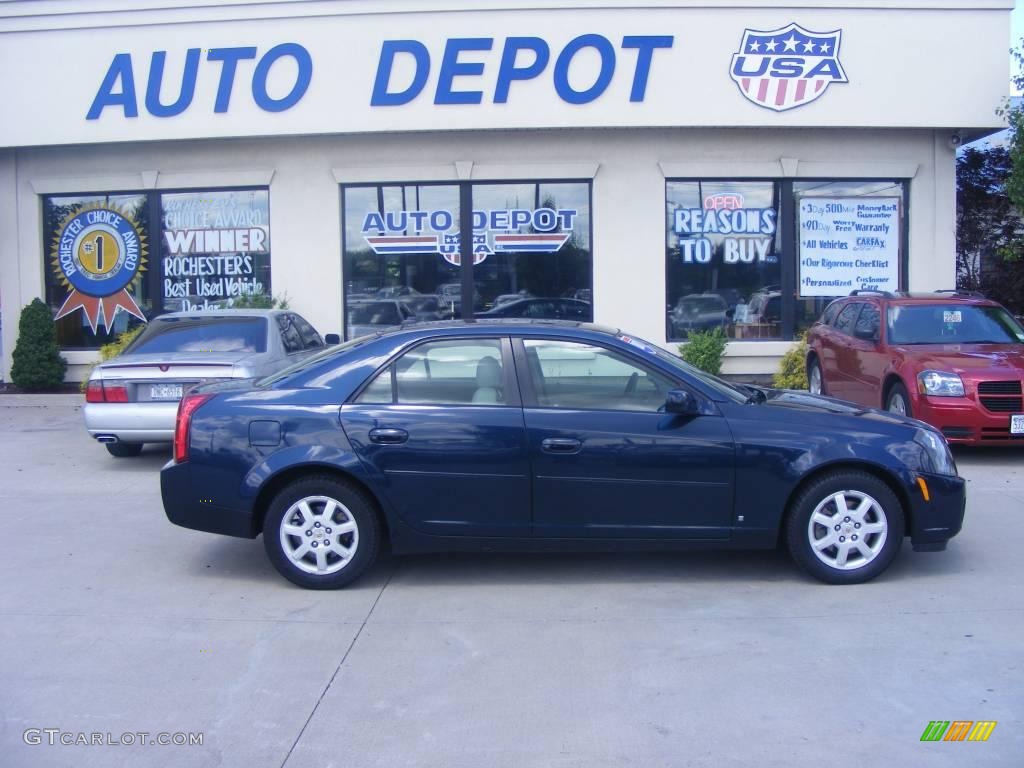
937, 452
940, 384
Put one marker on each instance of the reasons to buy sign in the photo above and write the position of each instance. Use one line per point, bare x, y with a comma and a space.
848, 244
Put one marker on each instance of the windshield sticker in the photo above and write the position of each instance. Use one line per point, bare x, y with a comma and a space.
952, 316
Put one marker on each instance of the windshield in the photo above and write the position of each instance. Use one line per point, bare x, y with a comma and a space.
212, 334
374, 313
723, 388
316, 359
952, 324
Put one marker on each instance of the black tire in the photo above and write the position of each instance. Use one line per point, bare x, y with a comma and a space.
355, 505
813, 365
124, 450
898, 393
821, 492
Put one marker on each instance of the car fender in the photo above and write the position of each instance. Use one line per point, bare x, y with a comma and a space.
327, 457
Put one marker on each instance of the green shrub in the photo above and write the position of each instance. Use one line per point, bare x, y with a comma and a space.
792, 373
115, 348
36, 362
260, 301
704, 350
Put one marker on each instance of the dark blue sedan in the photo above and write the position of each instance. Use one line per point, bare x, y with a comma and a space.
547, 436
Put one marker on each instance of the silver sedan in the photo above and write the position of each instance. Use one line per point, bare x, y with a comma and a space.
133, 398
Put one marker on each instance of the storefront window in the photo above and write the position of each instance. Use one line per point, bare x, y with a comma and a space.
402, 254
214, 248
850, 236
97, 266
723, 258
117, 260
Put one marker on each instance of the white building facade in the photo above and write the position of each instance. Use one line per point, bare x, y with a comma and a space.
664, 169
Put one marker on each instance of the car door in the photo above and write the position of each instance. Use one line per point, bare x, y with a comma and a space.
605, 461
441, 428
868, 359
839, 363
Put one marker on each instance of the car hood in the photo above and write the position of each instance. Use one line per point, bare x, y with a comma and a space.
970, 359
805, 402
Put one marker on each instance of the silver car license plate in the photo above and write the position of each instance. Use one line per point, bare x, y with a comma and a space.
1017, 424
165, 392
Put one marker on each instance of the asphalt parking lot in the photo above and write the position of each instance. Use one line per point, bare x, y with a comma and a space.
113, 621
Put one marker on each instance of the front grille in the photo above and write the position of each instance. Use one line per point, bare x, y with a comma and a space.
999, 388
1003, 404
956, 432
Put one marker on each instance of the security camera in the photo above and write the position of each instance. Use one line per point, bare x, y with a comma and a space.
956, 139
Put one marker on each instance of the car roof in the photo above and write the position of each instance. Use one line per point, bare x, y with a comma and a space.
934, 297
483, 327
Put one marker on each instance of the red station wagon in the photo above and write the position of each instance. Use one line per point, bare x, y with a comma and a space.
954, 360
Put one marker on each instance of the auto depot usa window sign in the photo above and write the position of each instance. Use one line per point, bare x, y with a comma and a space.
847, 244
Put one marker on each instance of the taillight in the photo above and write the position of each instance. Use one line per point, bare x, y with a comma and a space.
105, 392
189, 404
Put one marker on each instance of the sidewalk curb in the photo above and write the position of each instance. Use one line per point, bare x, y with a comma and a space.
41, 401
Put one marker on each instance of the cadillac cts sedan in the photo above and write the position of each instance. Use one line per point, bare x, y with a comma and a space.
133, 399
547, 435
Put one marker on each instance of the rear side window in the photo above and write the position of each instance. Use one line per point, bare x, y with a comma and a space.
830, 313
202, 335
289, 334
310, 338
844, 322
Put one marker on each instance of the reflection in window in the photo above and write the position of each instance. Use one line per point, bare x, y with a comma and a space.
581, 376
723, 258
452, 372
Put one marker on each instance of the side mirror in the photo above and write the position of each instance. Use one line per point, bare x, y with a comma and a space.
331, 339
680, 401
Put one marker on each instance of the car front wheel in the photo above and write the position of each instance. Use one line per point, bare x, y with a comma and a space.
815, 381
321, 532
898, 401
846, 527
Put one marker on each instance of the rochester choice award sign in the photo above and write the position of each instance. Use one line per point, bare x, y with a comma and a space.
848, 244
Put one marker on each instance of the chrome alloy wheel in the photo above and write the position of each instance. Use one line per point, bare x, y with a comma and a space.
814, 385
847, 530
897, 404
319, 535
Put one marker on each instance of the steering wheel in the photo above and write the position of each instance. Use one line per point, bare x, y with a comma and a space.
631, 384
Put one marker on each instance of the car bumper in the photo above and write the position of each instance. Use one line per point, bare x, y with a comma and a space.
182, 508
132, 422
939, 516
965, 422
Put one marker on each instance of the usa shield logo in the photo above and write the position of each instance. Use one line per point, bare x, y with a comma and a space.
786, 68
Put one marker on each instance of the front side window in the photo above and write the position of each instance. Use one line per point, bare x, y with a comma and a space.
723, 258
456, 372
845, 319
571, 375
867, 322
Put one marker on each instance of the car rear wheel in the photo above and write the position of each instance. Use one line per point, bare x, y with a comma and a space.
815, 381
124, 450
897, 401
321, 533
846, 527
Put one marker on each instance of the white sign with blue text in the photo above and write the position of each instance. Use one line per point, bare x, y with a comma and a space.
848, 244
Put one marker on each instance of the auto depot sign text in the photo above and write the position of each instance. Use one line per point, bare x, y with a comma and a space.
501, 69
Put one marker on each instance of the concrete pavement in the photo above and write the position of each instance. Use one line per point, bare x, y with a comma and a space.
114, 621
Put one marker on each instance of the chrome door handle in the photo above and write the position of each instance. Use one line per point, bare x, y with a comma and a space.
561, 445
388, 435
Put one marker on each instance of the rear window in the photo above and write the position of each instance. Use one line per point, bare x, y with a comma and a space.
202, 334
952, 324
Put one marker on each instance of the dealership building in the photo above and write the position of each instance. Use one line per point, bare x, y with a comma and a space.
665, 169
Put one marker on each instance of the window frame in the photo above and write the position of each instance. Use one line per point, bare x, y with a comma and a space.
788, 224
154, 260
